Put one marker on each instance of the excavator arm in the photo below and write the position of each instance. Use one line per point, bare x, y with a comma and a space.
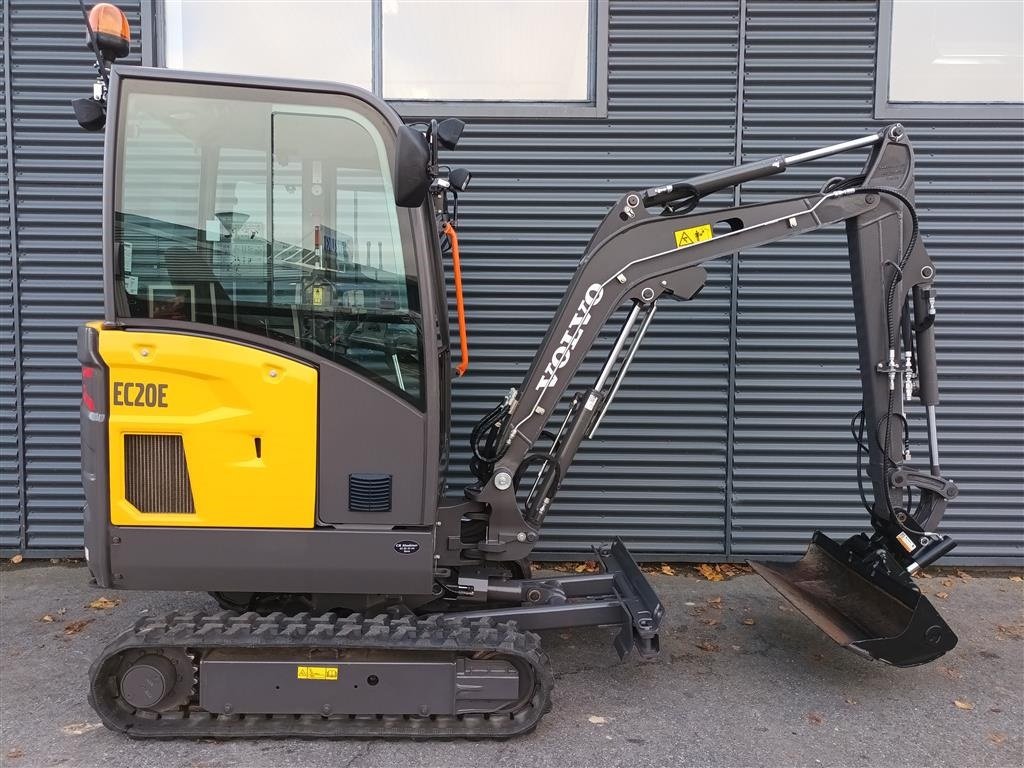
638, 258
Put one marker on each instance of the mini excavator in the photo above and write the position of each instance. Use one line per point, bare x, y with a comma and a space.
265, 414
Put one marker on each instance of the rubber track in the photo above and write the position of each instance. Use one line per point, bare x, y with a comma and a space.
225, 630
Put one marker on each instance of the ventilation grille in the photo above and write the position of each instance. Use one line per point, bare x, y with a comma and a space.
369, 493
156, 474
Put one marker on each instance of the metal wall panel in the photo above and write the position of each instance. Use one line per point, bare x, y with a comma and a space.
808, 81
57, 191
656, 472
659, 471
10, 433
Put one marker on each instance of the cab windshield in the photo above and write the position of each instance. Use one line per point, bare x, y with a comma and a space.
267, 212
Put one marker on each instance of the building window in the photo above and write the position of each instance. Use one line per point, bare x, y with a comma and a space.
949, 59
304, 39
497, 58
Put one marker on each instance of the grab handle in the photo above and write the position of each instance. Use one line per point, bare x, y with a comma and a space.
460, 307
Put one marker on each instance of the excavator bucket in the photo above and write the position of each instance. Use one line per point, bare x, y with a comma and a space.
868, 611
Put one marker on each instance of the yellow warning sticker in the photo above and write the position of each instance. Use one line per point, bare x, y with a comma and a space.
318, 295
317, 673
693, 235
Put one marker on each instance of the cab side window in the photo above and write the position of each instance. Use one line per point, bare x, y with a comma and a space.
276, 218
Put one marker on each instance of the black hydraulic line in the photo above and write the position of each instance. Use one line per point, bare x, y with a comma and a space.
893, 340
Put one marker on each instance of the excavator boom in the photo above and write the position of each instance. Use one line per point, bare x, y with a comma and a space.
639, 257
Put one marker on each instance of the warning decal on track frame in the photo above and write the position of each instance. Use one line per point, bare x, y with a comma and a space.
316, 673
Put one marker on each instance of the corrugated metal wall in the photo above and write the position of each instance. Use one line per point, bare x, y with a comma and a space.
656, 475
56, 187
10, 465
808, 80
770, 340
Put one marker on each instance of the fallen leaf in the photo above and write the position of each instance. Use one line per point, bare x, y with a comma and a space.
947, 582
709, 622
47, 618
961, 704
16, 559
102, 603
1017, 578
729, 570
74, 627
851, 701
77, 729
709, 572
14, 753
1011, 631
598, 720
815, 718
708, 646
748, 622
964, 575
942, 595
564, 567
952, 673
922, 575
715, 602
996, 737
668, 570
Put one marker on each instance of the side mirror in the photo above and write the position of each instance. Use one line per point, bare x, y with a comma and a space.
90, 114
412, 173
459, 178
108, 35
449, 131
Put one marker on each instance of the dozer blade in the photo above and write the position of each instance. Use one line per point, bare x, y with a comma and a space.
870, 612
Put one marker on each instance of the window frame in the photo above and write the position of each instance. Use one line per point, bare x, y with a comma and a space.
885, 109
596, 105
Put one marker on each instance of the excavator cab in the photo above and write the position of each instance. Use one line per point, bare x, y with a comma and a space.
288, 315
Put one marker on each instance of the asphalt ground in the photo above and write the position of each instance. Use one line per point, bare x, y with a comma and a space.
743, 680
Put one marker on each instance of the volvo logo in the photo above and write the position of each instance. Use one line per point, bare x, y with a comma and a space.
571, 337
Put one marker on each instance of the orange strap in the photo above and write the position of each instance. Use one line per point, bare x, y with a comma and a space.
460, 307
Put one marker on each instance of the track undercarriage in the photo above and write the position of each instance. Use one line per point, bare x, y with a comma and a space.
463, 674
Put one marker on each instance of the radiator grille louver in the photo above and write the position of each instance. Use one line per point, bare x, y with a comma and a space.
369, 493
156, 474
